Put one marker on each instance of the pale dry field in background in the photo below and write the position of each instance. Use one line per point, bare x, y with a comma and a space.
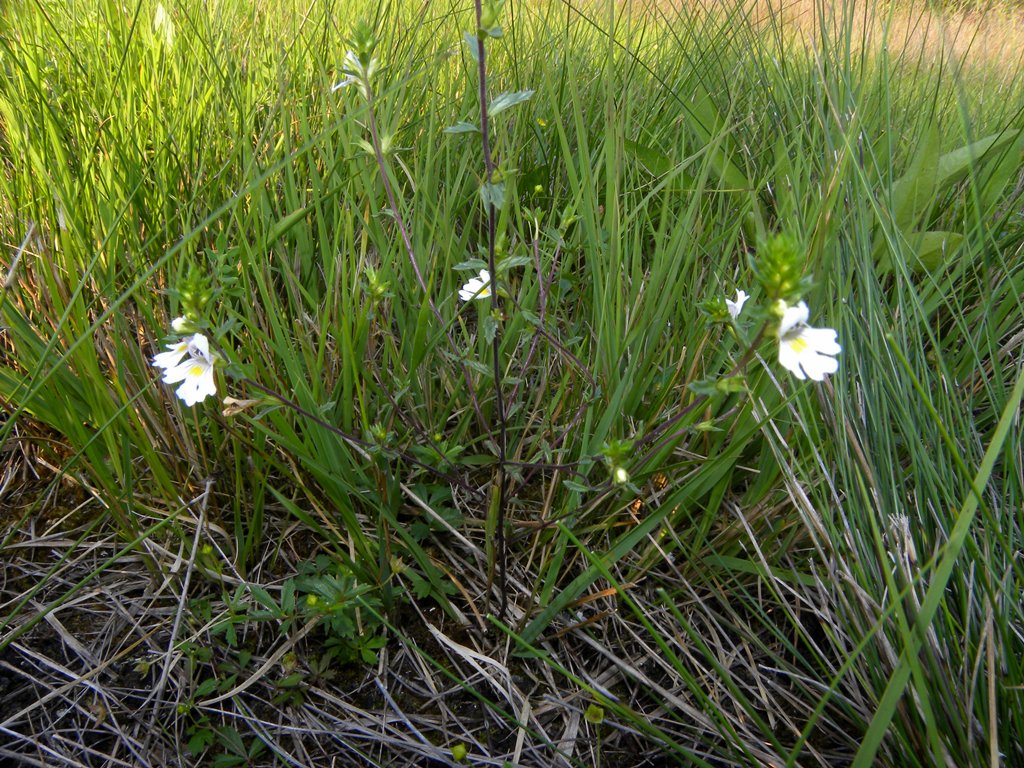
990, 39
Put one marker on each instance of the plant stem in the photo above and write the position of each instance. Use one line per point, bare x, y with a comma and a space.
496, 311
378, 153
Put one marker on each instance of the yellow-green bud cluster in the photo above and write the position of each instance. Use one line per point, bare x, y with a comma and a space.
364, 42
194, 294
376, 286
779, 268
716, 309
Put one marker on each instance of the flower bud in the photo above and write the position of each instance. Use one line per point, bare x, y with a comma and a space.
779, 267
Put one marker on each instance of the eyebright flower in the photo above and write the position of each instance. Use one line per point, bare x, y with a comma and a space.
195, 371
735, 307
806, 352
173, 356
477, 287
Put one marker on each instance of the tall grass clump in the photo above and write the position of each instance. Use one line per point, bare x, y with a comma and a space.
500, 415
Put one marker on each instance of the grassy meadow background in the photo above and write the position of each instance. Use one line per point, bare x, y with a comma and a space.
796, 574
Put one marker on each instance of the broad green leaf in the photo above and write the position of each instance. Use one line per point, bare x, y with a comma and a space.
462, 127
490, 327
493, 193
932, 249
954, 166
471, 43
286, 223
914, 192
509, 262
506, 100
655, 161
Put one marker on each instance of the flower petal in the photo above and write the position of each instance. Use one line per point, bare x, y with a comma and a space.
197, 388
818, 366
199, 347
477, 287
793, 317
789, 359
183, 370
735, 307
172, 357
822, 340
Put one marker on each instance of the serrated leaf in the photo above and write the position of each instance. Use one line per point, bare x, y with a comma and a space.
703, 387
509, 262
261, 596
507, 100
493, 193
731, 384
490, 327
531, 317
420, 587
200, 740
462, 127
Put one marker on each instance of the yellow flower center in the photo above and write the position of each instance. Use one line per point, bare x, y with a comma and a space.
798, 344
196, 370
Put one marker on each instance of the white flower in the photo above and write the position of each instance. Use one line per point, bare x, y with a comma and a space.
477, 287
173, 356
180, 324
163, 27
807, 352
620, 476
195, 372
735, 307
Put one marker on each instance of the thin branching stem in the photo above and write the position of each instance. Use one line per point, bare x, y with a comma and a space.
492, 216
378, 153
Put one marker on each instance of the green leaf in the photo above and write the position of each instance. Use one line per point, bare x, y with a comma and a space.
490, 327
261, 596
914, 192
731, 384
471, 41
954, 166
509, 262
507, 100
470, 265
572, 485
655, 161
200, 740
933, 249
286, 223
462, 127
493, 193
206, 687
706, 387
